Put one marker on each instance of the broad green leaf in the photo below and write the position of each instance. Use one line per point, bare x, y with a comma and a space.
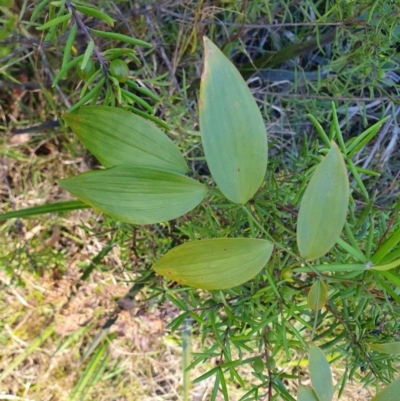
324, 206
388, 348
318, 295
320, 374
390, 393
42, 209
232, 128
137, 195
215, 264
306, 394
117, 137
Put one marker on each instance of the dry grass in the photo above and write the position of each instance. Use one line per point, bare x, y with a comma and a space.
145, 359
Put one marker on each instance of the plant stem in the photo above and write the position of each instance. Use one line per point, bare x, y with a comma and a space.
86, 32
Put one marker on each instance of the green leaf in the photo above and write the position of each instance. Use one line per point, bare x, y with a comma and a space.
6, 3
42, 209
232, 128
387, 266
93, 12
320, 374
393, 278
89, 95
121, 38
68, 46
387, 348
81, 389
88, 54
361, 140
37, 9
117, 137
318, 295
135, 194
215, 263
387, 246
9, 26
137, 99
306, 394
65, 68
323, 208
390, 393
54, 22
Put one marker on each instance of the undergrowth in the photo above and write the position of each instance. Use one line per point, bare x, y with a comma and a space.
297, 57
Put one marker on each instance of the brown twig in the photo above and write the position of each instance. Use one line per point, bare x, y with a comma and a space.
269, 393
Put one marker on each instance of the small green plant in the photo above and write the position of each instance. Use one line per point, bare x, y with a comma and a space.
144, 182
106, 74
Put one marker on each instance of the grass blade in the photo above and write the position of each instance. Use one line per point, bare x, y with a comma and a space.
43, 209
36, 343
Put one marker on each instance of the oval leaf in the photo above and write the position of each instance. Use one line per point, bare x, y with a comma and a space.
388, 348
137, 195
232, 128
118, 137
318, 295
320, 374
390, 393
323, 208
215, 264
306, 394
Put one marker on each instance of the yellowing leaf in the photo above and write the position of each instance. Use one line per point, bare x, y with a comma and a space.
215, 264
323, 208
320, 374
318, 295
387, 266
118, 137
135, 194
392, 348
232, 128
